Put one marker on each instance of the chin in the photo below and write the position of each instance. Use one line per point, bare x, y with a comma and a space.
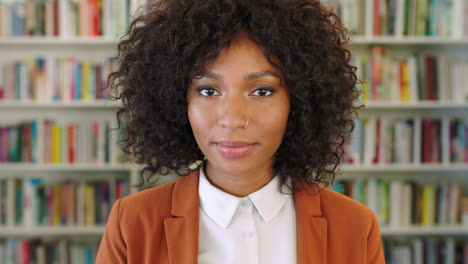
235, 166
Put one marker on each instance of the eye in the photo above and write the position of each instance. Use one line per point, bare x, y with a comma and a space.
206, 91
264, 91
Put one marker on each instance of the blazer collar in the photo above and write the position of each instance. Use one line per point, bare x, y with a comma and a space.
312, 226
182, 228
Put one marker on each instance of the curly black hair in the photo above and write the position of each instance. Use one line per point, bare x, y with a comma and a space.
170, 44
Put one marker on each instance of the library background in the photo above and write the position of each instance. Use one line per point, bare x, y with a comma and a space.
61, 168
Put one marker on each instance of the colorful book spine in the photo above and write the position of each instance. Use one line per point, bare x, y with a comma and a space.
407, 140
405, 203
36, 201
398, 18
21, 251
47, 141
421, 77
67, 18
53, 79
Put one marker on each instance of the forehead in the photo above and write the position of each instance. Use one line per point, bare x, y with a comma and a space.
242, 55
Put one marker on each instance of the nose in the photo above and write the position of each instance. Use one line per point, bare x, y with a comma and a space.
233, 112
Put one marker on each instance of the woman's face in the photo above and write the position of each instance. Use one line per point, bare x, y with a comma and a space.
238, 110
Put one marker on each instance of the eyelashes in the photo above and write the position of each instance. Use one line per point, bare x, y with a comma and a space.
210, 91
266, 90
206, 90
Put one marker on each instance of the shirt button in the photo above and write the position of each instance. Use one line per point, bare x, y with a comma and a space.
248, 234
246, 204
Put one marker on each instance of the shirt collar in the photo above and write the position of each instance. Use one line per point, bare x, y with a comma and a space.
221, 206
269, 200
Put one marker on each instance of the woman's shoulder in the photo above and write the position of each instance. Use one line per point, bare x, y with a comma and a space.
337, 205
155, 199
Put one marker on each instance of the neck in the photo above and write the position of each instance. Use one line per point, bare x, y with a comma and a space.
238, 185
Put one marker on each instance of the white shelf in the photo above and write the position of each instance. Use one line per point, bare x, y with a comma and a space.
424, 230
28, 41
423, 40
60, 231
423, 105
442, 168
74, 104
355, 40
65, 167
99, 230
343, 167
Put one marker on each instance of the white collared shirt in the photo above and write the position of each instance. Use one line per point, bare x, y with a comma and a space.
259, 228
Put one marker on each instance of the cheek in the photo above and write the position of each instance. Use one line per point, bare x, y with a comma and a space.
276, 122
199, 118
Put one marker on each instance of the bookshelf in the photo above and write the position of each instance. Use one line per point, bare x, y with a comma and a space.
400, 44
79, 37
412, 54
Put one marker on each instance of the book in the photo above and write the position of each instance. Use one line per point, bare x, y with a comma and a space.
406, 203
41, 201
54, 79
42, 251
418, 77
44, 140
403, 17
65, 18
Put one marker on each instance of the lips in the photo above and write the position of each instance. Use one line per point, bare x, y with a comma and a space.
233, 144
234, 149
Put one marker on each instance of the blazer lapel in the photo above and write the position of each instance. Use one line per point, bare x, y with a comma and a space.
311, 227
182, 228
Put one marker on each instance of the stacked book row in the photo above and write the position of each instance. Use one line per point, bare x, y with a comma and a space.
407, 140
111, 18
46, 140
50, 79
413, 78
16, 251
41, 201
68, 18
403, 17
427, 250
406, 203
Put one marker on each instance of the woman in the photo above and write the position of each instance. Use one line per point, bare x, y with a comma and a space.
261, 91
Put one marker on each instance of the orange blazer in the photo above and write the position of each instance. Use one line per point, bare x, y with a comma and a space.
160, 225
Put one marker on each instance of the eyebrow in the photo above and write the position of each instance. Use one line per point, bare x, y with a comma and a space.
248, 77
